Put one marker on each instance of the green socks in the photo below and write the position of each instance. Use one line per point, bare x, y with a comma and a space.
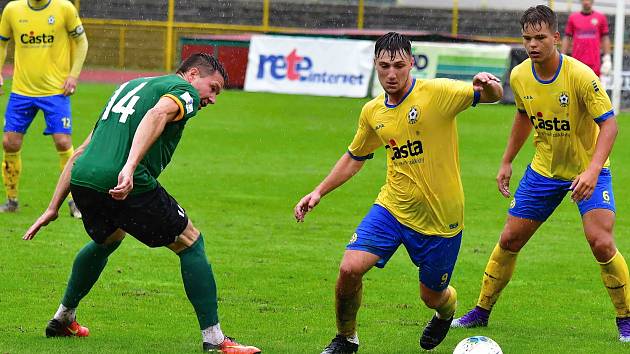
87, 267
199, 283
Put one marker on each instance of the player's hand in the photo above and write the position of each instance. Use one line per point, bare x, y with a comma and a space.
584, 184
1, 84
305, 205
48, 216
69, 86
606, 65
125, 184
503, 179
483, 79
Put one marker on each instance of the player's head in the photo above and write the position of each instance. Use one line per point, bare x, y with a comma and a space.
393, 61
539, 27
206, 74
587, 6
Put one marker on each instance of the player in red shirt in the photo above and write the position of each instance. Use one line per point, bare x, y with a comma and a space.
588, 30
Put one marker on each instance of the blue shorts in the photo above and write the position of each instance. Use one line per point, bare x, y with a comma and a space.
22, 109
538, 196
380, 233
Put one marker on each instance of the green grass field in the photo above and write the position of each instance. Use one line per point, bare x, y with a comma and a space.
240, 168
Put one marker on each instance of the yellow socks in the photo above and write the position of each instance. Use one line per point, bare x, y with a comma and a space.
498, 273
11, 169
615, 277
447, 310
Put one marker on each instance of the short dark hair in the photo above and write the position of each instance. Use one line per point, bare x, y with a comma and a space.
537, 15
205, 62
392, 43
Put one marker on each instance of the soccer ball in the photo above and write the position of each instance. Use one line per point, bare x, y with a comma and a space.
477, 345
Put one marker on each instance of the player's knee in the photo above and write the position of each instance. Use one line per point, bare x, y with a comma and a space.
11, 143
433, 299
63, 142
186, 239
348, 272
603, 247
511, 242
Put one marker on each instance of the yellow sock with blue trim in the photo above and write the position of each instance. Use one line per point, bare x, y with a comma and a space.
11, 170
64, 157
616, 279
496, 276
447, 310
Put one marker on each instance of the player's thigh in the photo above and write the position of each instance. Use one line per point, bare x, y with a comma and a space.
186, 239
357, 263
435, 257
153, 218
517, 232
99, 212
57, 114
598, 228
379, 233
19, 113
537, 196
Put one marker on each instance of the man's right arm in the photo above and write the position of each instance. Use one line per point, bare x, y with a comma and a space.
344, 169
521, 128
61, 192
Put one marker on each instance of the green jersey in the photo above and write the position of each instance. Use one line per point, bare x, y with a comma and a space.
107, 152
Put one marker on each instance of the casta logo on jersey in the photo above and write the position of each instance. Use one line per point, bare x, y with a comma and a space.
411, 148
32, 38
297, 68
549, 124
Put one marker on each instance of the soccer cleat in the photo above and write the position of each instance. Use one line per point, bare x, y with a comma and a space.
57, 329
11, 206
229, 346
74, 211
341, 345
477, 317
624, 329
435, 332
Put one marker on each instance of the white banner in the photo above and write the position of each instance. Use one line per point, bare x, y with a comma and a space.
459, 61
312, 66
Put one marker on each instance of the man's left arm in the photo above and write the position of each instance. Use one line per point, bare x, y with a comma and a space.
584, 184
149, 129
488, 86
606, 66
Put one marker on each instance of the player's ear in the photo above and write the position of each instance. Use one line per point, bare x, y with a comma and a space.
194, 71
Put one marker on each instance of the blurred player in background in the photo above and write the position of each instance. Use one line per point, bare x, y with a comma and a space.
574, 132
113, 177
421, 203
587, 30
50, 47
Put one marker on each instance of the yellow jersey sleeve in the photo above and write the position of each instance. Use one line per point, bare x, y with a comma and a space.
596, 99
455, 95
5, 23
518, 100
365, 140
73, 22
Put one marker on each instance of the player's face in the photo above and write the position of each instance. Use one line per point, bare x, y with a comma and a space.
587, 5
393, 73
208, 87
540, 42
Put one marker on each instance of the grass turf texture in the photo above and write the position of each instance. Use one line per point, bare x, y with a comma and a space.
240, 168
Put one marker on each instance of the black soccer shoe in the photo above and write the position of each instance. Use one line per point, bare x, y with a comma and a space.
435, 332
341, 345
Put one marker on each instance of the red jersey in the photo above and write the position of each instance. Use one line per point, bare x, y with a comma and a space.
587, 31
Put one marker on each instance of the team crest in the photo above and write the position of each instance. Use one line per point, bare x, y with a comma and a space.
594, 21
51, 20
413, 114
563, 99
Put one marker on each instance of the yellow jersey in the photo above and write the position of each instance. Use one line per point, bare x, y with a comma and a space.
564, 112
42, 44
423, 188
